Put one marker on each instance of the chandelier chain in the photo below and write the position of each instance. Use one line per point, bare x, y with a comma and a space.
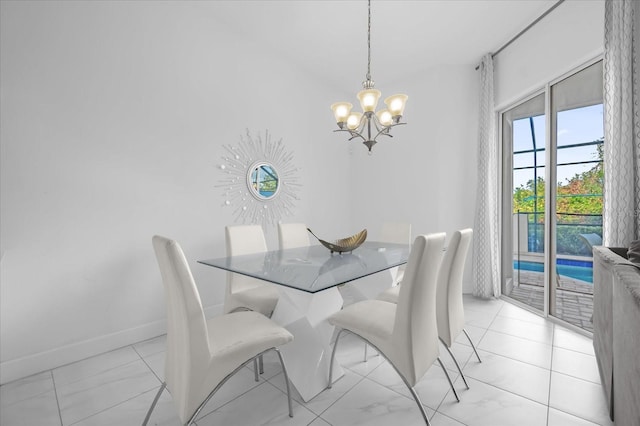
369, 124
369, 45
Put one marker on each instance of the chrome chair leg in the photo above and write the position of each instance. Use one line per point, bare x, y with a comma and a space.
365, 352
449, 379
208, 398
333, 355
286, 380
153, 404
261, 364
472, 345
417, 399
255, 369
411, 389
456, 362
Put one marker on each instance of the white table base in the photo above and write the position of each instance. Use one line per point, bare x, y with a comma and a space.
307, 357
368, 287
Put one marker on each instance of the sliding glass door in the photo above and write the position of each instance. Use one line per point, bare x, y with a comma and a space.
577, 140
552, 205
523, 254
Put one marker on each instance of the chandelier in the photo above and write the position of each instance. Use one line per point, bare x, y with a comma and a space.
369, 124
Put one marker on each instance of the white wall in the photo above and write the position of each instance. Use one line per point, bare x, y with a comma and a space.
113, 117
569, 36
425, 174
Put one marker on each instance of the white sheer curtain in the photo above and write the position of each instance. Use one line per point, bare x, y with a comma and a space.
486, 252
621, 216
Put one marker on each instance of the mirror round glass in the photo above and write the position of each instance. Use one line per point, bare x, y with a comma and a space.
262, 180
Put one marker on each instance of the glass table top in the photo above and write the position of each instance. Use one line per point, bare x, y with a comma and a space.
314, 268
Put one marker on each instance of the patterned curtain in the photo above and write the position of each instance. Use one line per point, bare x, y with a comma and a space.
486, 238
621, 215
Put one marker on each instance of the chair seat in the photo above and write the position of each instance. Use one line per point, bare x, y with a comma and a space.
262, 298
371, 319
243, 335
390, 294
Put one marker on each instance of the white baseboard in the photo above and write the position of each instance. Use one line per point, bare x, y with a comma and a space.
32, 364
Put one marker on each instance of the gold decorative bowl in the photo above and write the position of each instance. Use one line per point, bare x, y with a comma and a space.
344, 244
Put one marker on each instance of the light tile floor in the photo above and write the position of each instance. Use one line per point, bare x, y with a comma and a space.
534, 372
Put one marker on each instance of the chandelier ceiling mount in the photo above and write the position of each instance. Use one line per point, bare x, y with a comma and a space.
369, 124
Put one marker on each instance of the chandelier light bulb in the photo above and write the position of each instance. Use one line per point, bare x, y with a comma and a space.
369, 99
341, 111
396, 104
353, 122
385, 117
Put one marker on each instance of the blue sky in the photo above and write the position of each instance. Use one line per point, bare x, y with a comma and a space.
574, 126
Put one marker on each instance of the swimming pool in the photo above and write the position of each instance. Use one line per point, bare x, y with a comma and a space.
578, 269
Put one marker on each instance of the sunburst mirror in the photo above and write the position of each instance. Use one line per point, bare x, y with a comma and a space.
260, 182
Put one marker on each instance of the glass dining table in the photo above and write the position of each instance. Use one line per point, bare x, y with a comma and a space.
308, 279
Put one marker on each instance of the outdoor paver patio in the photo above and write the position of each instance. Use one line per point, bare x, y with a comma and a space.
574, 298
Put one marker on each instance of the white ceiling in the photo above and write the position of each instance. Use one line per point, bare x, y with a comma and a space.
329, 37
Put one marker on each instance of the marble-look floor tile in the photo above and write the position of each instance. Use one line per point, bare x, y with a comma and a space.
350, 354
579, 397
156, 364
568, 339
238, 384
86, 397
40, 410
432, 388
560, 418
576, 364
133, 412
440, 419
371, 404
262, 405
94, 365
116, 388
480, 319
26, 388
516, 312
485, 405
518, 348
491, 306
327, 397
319, 422
517, 377
542, 333
151, 346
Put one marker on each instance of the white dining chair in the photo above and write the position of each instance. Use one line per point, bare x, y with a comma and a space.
203, 354
406, 333
292, 235
397, 233
449, 302
243, 292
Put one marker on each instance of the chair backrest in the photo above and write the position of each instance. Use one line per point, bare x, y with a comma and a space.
415, 333
396, 232
242, 239
449, 306
292, 235
245, 239
187, 338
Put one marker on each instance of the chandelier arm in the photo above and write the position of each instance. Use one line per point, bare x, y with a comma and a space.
385, 131
353, 134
